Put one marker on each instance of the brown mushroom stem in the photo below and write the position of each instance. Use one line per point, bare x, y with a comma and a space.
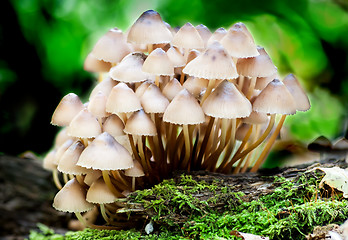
157, 78
203, 146
269, 144
90, 225
215, 139
214, 157
79, 178
108, 182
251, 87
182, 77
249, 156
231, 144
187, 140
56, 179
103, 213
65, 177
158, 140
149, 48
134, 150
240, 82
258, 142
100, 77
141, 148
118, 176
133, 184
210, 87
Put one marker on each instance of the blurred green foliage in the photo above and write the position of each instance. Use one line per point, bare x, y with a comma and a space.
304, 37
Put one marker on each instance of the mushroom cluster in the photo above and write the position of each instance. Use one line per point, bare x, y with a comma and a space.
167, 99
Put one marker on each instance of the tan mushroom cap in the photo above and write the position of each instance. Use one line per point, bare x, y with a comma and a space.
67, 163
67, 109
111, 47
158, 63
61, 137
142, 88
214, 63
84, 125
188, 38
105, 153
99, 193
172, 88
300, 96
184, 109
275, 98
256, 118
62, 149
217, 35
104, 86
238, 43
196, 86
226, 101
130, 69
48, 161
242, 131
259, 66
92, 176
149, 28
135, 171
176, 57
140, 124
72, 198
122, 99
97, 105
113, 125
193, 53
204, 32
92, 64
261, 82
153, 101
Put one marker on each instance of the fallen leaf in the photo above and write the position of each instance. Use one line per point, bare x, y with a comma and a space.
336, 178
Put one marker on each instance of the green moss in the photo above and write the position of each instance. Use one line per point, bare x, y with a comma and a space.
189, 209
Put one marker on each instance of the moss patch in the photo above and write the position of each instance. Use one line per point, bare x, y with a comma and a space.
186, 208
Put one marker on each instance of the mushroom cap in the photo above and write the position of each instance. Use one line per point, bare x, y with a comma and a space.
104, 86
149, 28
113, 125
67, 163
256, 118
61, 137
238, 43
111, 47
204, 32
99, 193
299, 95
188, 37
122, 99
105, 153
92, 64
92, 176
196, 86
158, 63
153, 101
259, 66
275, 98
172, 88
48, 161
226, 101
84, 125
261, 82
176, 57
135, 171
67, 109
184, 109
72, 198
213, 63
97, 105
129, 69
193, 53
242, 131
140, 124
62, 148
142, 88
217, 35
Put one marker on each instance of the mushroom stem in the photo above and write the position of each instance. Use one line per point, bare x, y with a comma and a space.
143, 159
210, 87
240, 82
251, 87
157, 78
149, 48
205, 141
258, 142
108, 182
187, 147
89, 225
103, 213
249, 156
56, 179
65, 177
270, 143
133, 184
214, 138
100, 77
134, 150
